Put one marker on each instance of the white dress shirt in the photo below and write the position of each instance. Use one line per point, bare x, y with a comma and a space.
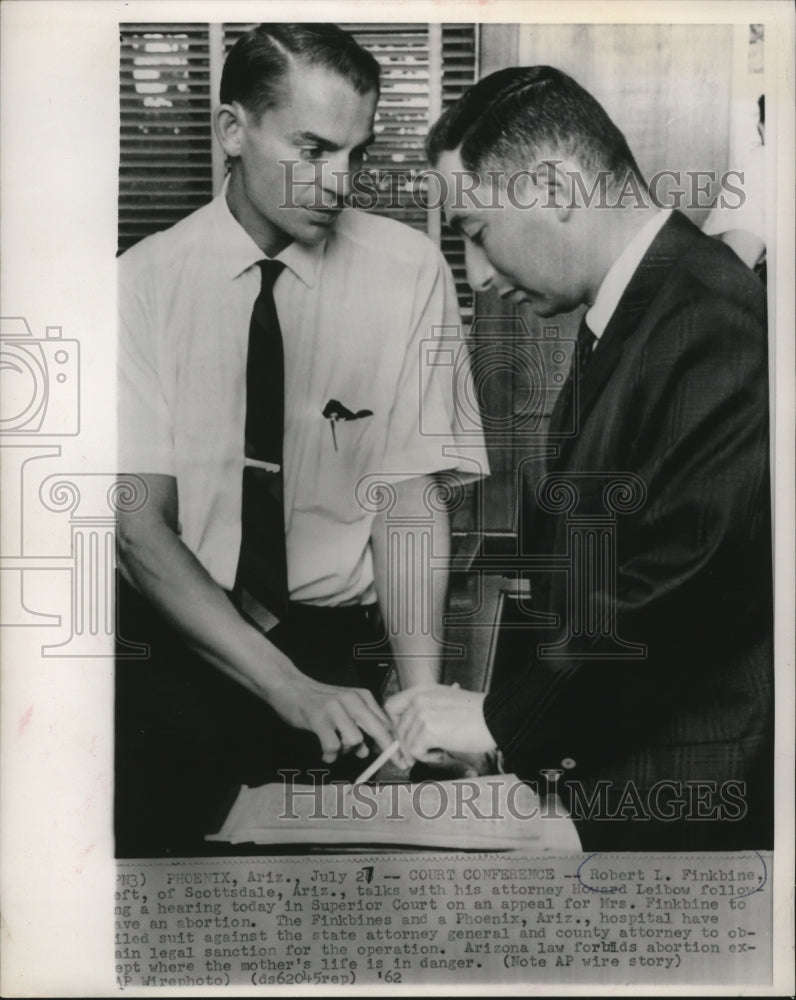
621, 271
355, 313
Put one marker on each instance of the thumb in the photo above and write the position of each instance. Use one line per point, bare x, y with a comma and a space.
397, 704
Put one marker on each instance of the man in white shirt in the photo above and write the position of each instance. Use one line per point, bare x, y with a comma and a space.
356, 297
652, 700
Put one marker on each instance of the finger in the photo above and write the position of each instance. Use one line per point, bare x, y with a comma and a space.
417, 738
350, 734
433, 766
397, 704
461, 766
404, 726
329, 740
424, 694
403, 759
372, 705
375, 724
362, 750
453, 765
426, 738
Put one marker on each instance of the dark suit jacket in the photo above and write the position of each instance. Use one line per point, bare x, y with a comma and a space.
660, 706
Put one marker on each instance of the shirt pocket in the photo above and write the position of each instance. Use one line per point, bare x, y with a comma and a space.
344, 455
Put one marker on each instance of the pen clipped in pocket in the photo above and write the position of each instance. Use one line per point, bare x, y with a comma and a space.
335, 411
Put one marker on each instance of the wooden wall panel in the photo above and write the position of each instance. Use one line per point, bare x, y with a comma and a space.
668, 88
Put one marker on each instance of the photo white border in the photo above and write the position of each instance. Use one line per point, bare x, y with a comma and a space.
58, 193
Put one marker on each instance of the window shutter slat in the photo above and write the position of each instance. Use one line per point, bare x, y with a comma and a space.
459, 68
165, 126
165, 135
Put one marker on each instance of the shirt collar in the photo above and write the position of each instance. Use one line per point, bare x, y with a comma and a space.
239, 252
618, 277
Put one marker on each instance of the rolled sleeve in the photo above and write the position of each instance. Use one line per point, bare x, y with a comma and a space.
146, 443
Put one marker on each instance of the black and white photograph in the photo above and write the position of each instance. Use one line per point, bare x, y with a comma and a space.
397, 437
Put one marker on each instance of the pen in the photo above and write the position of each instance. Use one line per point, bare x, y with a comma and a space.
332, 420
383, 757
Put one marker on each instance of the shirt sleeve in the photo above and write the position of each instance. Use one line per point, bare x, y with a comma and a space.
145, 418
435, 424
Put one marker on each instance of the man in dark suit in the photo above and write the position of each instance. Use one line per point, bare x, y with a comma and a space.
653, 700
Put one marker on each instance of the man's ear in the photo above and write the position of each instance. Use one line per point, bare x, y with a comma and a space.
229, 121
557, 178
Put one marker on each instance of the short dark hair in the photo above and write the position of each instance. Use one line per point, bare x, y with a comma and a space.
259, 60
519, 116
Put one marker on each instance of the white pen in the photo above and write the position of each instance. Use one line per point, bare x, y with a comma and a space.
333, 420
383, 757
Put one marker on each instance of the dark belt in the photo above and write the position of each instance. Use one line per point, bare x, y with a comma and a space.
315, 615
367, 614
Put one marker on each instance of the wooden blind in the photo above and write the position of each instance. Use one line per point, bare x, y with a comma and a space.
165, 169
166, 162
459, 66
402, 116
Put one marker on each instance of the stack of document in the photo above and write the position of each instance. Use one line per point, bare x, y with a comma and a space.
497, 812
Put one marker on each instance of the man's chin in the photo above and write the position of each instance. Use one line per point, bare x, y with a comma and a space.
311, 234
540, 308
545, 309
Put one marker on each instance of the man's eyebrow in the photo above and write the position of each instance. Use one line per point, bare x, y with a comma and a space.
311, 139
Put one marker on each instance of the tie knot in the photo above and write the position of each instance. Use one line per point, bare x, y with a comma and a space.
269, 271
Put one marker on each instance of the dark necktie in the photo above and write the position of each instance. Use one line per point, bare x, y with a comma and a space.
262, 566
586, 342
584, 348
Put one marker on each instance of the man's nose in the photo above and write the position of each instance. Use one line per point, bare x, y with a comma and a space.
335, 179
480, 273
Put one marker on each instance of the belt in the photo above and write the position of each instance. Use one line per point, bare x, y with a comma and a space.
354, 612
313, 614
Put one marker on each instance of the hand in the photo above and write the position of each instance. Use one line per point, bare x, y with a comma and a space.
437, 717
339, 716
448, 767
